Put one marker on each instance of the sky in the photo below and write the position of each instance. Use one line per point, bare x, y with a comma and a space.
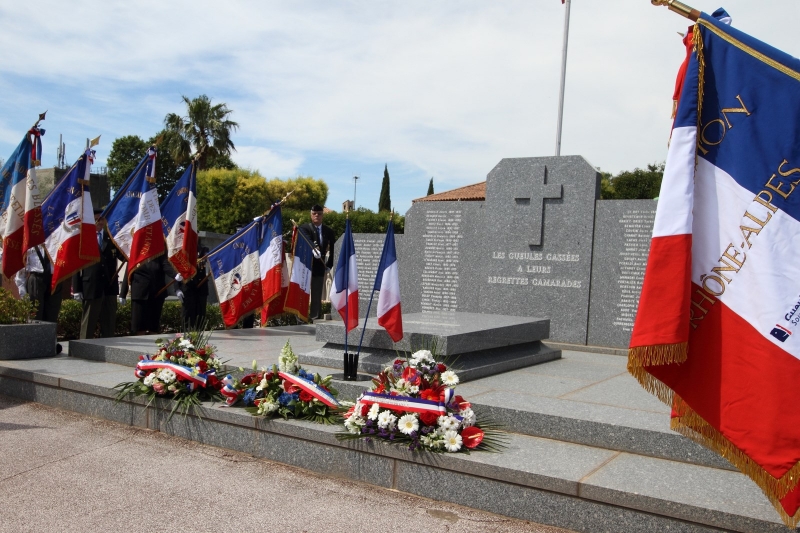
337, 89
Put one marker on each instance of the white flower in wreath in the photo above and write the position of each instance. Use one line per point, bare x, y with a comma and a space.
263, 384
449, 378
166, 375
408, 424
452, 441
354, 423
373, 411
186, 344
266, 407
467, 417
149, 378
422, 356
448, 423
386, 420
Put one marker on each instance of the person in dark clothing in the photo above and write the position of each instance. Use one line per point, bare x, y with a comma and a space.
97, 286
193, 293
148, 287
35, 279
323, 239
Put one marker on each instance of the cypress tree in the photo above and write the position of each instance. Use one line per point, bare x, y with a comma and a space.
430, 187
385, 202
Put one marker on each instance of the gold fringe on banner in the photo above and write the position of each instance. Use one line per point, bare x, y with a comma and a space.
692, 426
659, 354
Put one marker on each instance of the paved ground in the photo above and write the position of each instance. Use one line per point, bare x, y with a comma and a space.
60, 471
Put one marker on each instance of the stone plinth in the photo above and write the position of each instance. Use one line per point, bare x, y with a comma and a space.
475, 344
28, 341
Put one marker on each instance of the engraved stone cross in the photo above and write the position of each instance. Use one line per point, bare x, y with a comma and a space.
532, 195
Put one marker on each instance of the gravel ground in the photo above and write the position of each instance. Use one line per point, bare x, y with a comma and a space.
61, 471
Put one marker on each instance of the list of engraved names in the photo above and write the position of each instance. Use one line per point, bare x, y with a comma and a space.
637, 226
440, 277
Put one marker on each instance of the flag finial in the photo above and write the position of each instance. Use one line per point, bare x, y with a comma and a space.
678, 7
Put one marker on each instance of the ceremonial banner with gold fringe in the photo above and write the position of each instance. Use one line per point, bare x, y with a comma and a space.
714, 335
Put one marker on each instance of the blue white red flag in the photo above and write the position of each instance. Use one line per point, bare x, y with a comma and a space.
275, 307
69, 228
134, 216
234, 266
714, 334
179, 222
21, 211
271, 255
387, 281
344, 291
298, 294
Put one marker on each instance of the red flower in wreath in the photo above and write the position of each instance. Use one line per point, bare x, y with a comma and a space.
471, 437
428, 418
305, 396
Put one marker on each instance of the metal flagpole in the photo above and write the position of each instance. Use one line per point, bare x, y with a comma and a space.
563, 78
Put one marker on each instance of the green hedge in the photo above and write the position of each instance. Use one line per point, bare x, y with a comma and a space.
69, 319
362, 220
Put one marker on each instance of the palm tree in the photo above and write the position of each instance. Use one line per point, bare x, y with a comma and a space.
206, 128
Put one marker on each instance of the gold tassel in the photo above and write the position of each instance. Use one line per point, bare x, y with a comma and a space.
694, 427
659, 354
697, 39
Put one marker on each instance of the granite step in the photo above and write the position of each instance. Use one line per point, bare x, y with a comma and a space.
584, 398
574, 486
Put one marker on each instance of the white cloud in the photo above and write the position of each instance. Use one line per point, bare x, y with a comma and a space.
269, 163
443, 89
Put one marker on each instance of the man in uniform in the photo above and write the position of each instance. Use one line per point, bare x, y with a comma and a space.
323, 239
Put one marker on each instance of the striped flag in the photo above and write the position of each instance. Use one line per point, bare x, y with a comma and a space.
714, 334
179, 223
21, 211
234, 266
344, 291
298, 294
69, 228
275, 307
271, 255
387, 281
134, 216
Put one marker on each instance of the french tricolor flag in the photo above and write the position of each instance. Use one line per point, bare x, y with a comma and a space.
713, 336
234, 266
387, 281
21, 211
179, 223
344, 291
134, 216
69, 228
298, 294
271, 255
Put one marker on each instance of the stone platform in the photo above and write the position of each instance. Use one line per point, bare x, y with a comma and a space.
590, 450
477, 345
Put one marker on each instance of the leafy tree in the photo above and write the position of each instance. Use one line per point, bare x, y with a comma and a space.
606, 188
307, 192
206, 129
430, 187
221, 161
362, 220
126, 152
385, 201
227, 199
641, 184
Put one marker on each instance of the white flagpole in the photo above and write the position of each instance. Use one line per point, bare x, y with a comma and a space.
563, 78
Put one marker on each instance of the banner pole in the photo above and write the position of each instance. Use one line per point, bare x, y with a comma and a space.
678, 7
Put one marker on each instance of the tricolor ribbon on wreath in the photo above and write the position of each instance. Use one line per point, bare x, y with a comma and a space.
407, 403
310, 387
147, 365
228, 390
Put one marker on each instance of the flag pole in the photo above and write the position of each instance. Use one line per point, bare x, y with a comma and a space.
563, 79
369, 305
676, 7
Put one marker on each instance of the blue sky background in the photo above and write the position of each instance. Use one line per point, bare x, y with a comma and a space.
439, 89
